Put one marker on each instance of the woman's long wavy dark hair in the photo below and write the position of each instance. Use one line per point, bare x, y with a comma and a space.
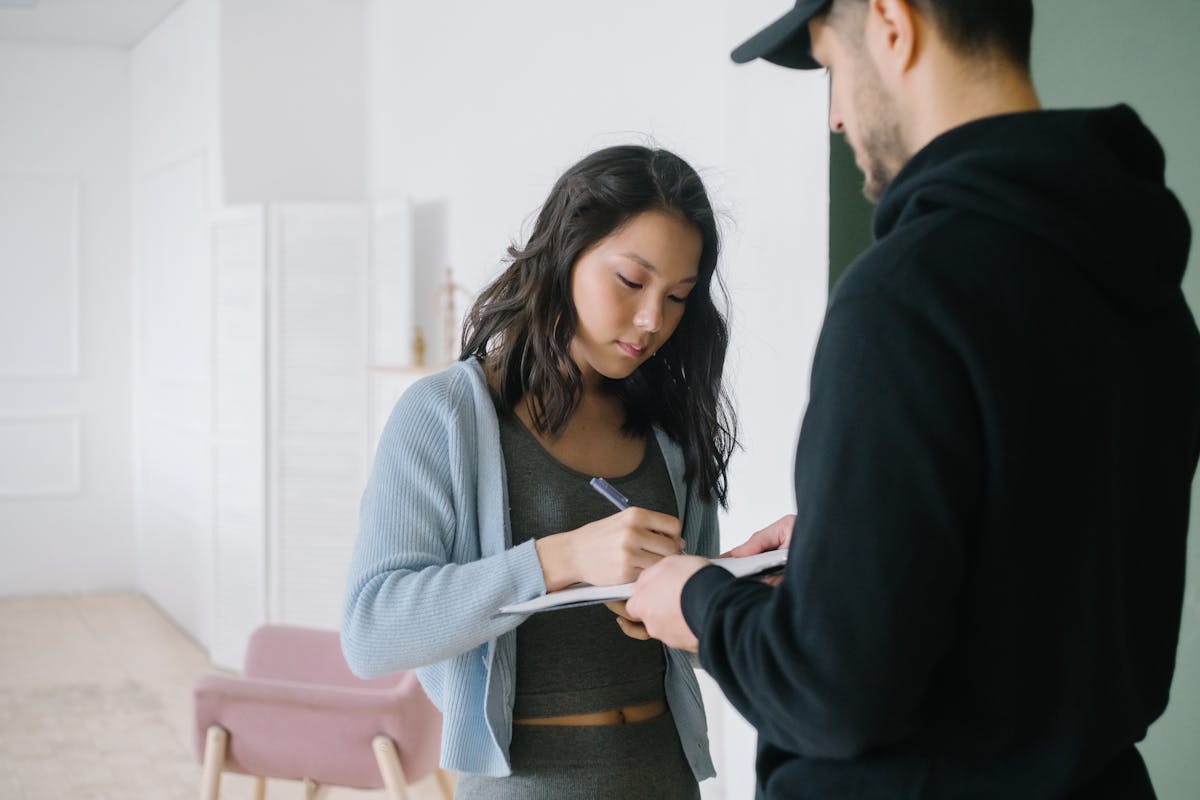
523, 323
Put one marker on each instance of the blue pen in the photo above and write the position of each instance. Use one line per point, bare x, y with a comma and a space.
610, 494
617, 499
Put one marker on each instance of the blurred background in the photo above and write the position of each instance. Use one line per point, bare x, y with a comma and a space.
223, 224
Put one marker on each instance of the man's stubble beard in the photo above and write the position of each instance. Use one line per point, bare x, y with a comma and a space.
882, 150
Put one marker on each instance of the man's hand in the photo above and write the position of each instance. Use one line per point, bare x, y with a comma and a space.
776, 536
655, 601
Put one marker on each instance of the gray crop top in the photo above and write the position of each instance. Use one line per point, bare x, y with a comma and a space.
577, 660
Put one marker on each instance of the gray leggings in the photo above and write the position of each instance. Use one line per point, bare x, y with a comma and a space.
640, 759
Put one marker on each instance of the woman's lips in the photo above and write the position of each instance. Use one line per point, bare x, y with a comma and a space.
631, 350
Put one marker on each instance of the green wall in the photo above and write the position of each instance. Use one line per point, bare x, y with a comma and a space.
1094, 52
1087, 53
849, 211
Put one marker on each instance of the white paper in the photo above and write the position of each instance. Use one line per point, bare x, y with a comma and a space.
590, 595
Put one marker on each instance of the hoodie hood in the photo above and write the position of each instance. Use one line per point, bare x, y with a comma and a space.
1089, 182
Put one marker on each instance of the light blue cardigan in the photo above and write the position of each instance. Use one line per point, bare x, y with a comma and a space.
433, 562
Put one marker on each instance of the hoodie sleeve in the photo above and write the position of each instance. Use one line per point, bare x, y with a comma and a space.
835, 659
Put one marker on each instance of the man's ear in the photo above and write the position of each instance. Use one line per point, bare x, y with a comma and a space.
893, 36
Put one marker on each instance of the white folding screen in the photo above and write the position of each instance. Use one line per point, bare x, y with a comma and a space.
239, 385
317, 404
290, 414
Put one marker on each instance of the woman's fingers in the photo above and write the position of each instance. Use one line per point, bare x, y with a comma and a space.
657, 544
618, 608
645, 519
629, 626
634, 630
614, 549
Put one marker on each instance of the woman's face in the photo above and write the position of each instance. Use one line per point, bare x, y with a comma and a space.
630, 289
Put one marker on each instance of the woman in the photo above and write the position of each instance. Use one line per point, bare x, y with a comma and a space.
598, 352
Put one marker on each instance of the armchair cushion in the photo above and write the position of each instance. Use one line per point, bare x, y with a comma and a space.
321, 728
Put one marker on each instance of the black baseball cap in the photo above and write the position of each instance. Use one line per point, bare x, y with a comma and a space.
785, 41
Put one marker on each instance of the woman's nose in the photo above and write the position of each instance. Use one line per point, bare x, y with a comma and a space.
649, 317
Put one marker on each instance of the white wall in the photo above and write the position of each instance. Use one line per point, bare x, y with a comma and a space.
293, 101
479, 106
777, 152
176, 185
474, 110
264, 99
65, 471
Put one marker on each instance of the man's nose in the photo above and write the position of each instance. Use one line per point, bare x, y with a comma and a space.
836, 123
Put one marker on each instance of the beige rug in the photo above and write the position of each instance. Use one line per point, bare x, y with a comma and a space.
91, 741
96, 704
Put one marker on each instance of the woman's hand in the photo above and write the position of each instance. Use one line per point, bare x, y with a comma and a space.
633, 628
609, 551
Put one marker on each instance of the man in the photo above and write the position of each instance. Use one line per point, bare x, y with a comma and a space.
985, 573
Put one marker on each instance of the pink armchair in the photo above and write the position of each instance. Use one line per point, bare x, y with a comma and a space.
298, 712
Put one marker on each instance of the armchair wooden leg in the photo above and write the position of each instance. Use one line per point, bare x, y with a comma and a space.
312, 789
260, 789
390, 770
214, 761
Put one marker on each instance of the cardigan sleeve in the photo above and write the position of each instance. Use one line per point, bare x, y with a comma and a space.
408, 602
702, 533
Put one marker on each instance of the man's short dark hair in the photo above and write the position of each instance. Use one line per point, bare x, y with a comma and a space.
975, 26
970, 25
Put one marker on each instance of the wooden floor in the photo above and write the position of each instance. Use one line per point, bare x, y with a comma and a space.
96, 704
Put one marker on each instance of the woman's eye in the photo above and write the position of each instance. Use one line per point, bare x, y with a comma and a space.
680, 300
628, 282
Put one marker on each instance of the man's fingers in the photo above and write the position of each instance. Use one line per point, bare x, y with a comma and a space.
758, 543
776, 535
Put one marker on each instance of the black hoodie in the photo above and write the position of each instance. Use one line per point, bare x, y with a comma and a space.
985, 580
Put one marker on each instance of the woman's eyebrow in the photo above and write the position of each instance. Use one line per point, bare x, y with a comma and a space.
651, 267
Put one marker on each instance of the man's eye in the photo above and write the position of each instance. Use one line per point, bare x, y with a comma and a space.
628, 282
